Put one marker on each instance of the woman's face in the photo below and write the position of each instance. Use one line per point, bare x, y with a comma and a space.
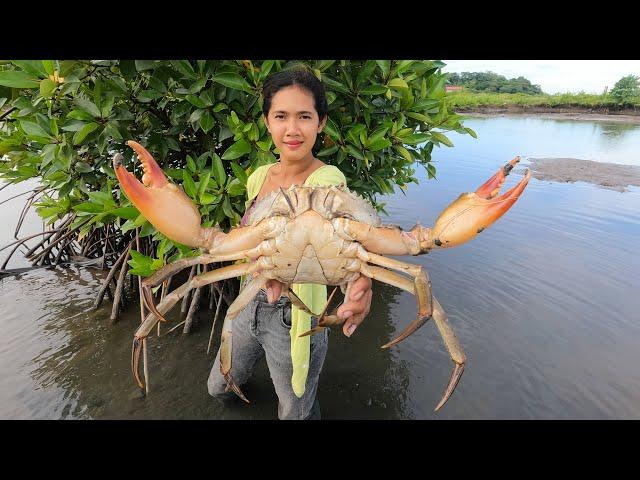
293, 123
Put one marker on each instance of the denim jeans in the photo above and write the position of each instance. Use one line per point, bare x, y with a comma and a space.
262, 330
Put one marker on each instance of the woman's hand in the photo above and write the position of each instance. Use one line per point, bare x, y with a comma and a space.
357, 302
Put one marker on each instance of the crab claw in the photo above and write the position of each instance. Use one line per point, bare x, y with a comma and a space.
472, 212
164, 204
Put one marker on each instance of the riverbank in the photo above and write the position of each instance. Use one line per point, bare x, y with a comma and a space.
627, 115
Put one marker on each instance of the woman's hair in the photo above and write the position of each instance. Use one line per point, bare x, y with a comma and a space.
300, 76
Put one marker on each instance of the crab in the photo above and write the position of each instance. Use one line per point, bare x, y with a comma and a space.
321, 235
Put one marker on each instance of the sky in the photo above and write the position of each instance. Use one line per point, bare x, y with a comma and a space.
555, 76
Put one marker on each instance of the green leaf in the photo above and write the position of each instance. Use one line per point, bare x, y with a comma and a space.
378, 144
218, 170
419, 116
365, 72
203, 182
142, 65
33, 129
140, 264
196, 101
471, 132
82, 167
328, 151
355, 152
130, 213
88, 207
232, 80
404, 152
80, 115
16, 79
207, 122
236, 188
237, 150
416, 138
184, 67
49, 66
191, 165
332, 130
385, 66
441, 138
373, 90
398, 83
207, 198
239, 173
83, 132
188, 184
226, 207
34, 67
87, 106
47, 87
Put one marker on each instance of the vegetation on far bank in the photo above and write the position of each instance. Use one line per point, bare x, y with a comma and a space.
492, 82
488, 89
467, 100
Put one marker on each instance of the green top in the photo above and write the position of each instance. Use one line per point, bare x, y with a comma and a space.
313, 295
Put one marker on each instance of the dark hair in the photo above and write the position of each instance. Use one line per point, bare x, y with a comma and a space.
300, 76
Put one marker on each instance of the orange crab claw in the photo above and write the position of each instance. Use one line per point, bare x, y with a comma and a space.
471, 213
164, 204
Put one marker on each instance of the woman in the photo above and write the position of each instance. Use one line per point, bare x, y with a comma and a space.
295, 112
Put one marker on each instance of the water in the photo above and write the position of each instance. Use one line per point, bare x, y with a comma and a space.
544, 304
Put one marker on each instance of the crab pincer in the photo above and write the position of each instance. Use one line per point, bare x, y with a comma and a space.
161, 202
473, 212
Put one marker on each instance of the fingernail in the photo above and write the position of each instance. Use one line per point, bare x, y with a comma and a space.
350, 329
269, 294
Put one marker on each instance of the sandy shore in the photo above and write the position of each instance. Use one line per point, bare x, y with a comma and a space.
607, 175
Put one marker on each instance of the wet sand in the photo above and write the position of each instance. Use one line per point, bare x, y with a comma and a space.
607, 175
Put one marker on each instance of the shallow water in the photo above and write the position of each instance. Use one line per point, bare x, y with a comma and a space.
544, 304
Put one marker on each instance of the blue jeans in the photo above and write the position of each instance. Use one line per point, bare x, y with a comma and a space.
262, 330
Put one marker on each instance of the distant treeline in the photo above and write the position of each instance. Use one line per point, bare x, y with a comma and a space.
492, 82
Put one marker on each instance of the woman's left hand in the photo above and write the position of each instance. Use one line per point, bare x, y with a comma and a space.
357, 303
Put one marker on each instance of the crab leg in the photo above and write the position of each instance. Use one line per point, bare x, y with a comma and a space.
461, 221
241, 301
172, 298
419, 288
265, 248
324, 320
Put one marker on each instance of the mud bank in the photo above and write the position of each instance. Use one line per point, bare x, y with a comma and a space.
560, 113
607, 175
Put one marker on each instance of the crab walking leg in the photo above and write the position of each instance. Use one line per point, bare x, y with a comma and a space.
265, 248
324, 320
419, 273
453, 347
241, 301
439, 317
420, 287
172, 298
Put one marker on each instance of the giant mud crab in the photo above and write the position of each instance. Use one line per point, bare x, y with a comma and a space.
322, 235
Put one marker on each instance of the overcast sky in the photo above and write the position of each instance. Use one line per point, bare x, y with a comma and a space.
555, 76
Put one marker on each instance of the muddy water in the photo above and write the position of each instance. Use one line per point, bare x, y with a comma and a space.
544, 303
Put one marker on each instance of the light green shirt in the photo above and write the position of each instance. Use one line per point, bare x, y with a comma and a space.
314, 296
